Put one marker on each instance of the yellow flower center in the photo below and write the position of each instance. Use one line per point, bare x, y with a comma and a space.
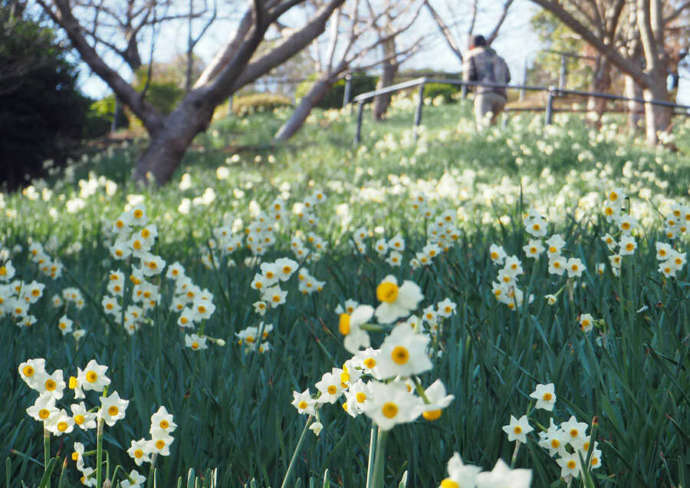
361, 397
517, 429
344, 324
137, 245
138, 453
145, 233
113, 410
387, 292
50, 384
138, 213
332, 389
287, 269
574, 432
571, 464
625, 225
547, 397
432, 415
43, 413
160, 444
72, 382
613, 196
494, 255
62, 426
164, 424
91, 376
75, 456
195, 345
370, 363
629, 246
389, 410
595, 461
28, 371
79, 419
302, 405
400, 355
3, 270
449, 483
555, 443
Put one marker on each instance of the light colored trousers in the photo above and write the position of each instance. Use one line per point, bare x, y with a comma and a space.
487, 107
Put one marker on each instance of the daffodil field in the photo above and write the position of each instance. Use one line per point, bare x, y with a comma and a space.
440, 309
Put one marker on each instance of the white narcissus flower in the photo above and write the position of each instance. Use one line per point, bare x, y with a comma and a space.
160, 442
33, 372
316, 428
53, 385
460, 474
163, 420
43, 408
195, 342
396, 301
134, 480
112, 408
83, 418
517, 430
576, 432
349, 325
438, 400
586, 322
93, 377
575, 268
59, 424
502, 476
391, 404
303, 402
139, 451
545, 396
403, 353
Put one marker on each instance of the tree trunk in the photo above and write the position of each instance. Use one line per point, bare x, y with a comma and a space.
657, 117
601, 83
636, 109
168, 145
317, 91
390, 69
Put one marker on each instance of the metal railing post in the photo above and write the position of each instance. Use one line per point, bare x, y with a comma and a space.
549, 106
418, 112
360, 113
348, 90
463, 91
562, 77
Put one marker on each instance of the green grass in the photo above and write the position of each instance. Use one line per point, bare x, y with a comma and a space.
233, 408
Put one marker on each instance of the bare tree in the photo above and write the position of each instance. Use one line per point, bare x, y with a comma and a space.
451, 40
232, 68
597, 22
386, 28
348, 44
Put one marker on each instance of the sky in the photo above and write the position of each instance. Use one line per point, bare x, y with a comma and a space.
516, 43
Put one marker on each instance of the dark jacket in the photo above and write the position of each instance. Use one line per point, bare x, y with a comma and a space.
484, 65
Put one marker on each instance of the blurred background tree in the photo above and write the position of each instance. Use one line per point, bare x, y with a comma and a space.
42, 114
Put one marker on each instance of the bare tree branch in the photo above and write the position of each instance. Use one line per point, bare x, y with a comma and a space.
447, 34
499, 23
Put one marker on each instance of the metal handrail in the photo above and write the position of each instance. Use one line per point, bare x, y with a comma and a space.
553, 92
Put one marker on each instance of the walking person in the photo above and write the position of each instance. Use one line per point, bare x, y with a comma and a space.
483, 65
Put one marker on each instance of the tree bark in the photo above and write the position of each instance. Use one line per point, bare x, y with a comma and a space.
636, 109
317, 91
168, 145
390, 69
601, 83
657, 117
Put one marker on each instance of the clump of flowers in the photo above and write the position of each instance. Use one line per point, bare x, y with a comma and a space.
110, 408
576, 452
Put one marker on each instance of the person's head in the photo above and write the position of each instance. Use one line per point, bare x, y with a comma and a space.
477, 40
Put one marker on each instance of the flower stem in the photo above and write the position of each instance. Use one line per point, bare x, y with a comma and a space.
515, 453
99, 453
380, 460
372, 448
46, 452
291, 466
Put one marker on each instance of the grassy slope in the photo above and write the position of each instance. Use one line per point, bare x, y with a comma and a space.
233, 409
